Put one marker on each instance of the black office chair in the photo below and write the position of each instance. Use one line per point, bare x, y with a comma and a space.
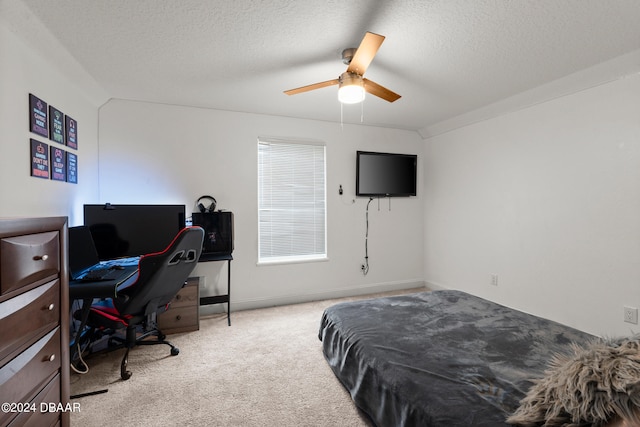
160, 277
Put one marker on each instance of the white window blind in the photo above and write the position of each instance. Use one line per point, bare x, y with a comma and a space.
291, 201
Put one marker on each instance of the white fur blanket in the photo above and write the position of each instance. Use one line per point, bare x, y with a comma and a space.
596, 385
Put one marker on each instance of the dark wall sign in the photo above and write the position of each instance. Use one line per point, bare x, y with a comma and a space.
38, 116
72, 132
39, 159
56, 125
49, 161
58, 164
72, 168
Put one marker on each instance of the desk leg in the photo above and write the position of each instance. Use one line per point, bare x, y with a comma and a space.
86, 308
221, 299
229, 293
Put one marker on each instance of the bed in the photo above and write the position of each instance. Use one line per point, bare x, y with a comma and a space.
440, 358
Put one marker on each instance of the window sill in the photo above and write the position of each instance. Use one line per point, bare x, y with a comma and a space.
291, 261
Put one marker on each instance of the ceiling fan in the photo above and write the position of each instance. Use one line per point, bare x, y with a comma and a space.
352, 84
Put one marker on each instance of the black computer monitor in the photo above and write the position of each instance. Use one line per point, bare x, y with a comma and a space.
133, 230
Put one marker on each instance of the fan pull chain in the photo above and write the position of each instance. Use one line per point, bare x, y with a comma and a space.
342, 114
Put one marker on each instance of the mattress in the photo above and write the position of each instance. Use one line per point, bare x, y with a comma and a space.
440, 358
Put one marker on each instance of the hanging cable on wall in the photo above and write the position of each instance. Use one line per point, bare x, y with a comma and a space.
365, 266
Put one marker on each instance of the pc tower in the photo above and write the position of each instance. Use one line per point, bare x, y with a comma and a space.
218, 231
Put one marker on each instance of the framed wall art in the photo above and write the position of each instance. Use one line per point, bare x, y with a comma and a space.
39, 159
38, 116
72, 168
56, 125
71, 128
58, 164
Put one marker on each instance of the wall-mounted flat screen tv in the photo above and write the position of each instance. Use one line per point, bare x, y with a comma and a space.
386, 174
133, 230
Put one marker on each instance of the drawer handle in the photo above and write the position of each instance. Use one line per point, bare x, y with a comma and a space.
178, 317
51, 306
178, 297
41, 257
50, 358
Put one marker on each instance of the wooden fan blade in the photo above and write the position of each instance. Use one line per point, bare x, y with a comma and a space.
311, 87
364, 54
380, 91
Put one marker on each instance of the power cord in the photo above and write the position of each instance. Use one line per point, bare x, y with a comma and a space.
365, 266
78, 338
86, 366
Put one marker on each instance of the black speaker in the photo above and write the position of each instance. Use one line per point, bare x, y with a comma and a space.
218, 231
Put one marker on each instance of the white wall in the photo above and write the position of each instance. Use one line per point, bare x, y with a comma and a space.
25, 69
547, 198
160, 154
152, 153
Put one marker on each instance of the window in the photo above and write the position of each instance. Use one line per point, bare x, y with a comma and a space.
291, 201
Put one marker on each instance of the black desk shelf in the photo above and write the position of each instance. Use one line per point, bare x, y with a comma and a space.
219, 299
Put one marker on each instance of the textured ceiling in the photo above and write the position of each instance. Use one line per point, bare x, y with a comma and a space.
445, 57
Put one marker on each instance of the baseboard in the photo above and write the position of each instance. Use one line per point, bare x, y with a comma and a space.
250, 304
433, 286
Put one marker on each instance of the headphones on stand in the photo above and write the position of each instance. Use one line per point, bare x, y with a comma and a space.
210, 208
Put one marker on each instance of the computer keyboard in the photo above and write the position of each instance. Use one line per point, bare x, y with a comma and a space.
103, 273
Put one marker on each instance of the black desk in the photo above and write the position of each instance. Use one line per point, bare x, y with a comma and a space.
219, 299
100, 289
88, 291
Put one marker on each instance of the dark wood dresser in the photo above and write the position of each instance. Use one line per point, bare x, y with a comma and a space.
34, 322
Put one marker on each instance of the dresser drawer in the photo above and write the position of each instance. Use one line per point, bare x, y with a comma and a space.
178, 320
184, 310
28, 316
38, 415
27, 259
187, 296
23, 375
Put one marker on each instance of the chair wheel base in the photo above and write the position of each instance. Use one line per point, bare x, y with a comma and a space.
124, 374
175, 351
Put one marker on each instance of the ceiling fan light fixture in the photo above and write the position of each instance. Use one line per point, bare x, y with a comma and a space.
351, 90
351, 83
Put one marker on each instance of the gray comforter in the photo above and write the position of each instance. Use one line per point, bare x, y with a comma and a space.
440, 359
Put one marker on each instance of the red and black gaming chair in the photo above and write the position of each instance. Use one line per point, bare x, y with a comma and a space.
160, 277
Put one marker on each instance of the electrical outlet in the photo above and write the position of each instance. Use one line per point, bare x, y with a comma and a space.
631, 315
494, 279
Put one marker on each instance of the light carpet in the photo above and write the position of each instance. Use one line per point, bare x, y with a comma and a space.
266, 369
